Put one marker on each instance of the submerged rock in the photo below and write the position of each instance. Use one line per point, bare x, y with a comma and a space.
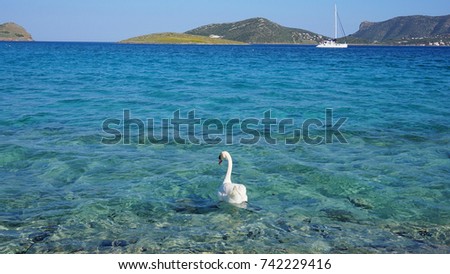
115, 243
106, 243
39, 236
120, 243
284, 225
435, 237
188, 209
195, 205
359, 202
254, 233
339, 215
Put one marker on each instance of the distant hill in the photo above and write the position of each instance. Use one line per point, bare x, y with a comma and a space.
177, 38
406, 30
258, 31
14, 32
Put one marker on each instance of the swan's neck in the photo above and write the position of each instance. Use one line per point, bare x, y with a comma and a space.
229, 170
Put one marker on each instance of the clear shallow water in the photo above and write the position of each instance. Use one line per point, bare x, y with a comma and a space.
62, 191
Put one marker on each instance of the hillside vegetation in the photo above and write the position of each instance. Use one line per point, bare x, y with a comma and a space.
259, 31
177, 38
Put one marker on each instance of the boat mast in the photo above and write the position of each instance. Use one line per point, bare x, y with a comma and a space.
335, 22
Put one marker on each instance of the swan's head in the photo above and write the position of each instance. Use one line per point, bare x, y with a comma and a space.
223, 156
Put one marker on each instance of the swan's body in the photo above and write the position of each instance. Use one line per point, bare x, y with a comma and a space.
228, 191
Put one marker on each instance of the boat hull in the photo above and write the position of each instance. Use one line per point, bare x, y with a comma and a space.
332, 45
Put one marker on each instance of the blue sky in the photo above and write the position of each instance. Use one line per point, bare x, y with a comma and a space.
113, 20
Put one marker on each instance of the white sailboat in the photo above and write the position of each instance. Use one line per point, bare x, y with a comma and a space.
332, 43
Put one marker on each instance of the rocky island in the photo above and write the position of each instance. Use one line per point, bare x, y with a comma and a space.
405, 30
259, 31
251, 31
14, 32
179, 38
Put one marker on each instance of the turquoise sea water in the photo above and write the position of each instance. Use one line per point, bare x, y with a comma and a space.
62, 191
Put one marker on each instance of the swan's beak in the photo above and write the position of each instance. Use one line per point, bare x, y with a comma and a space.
220, 161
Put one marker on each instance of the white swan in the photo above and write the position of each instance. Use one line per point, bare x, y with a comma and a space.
229, 192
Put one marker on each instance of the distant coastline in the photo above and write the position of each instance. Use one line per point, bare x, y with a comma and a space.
399, 31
